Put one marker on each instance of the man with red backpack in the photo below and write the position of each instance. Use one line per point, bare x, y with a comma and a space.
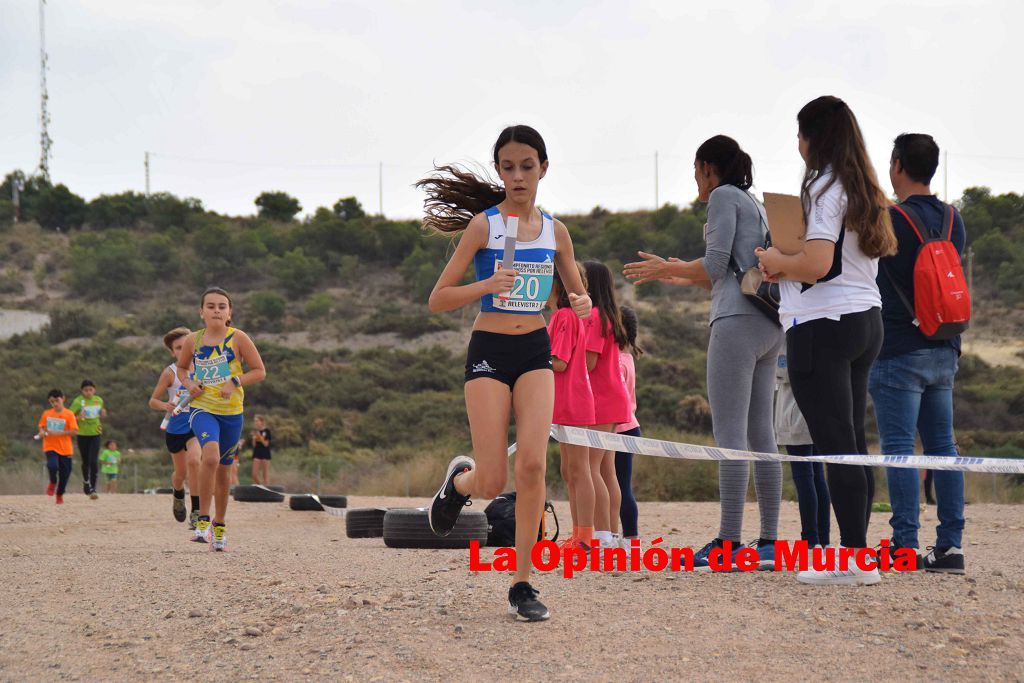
925, 306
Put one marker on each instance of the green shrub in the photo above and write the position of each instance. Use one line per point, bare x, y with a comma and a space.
319, 305
268, 306
108, 265
296, 273
71, 321
408, 323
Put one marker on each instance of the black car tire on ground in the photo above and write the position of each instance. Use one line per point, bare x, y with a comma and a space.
410, 528
306, 502
255, 494
365, 522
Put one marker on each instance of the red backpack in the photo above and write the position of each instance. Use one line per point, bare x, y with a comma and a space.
942, 304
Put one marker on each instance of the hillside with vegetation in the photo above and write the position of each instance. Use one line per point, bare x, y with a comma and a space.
365, 385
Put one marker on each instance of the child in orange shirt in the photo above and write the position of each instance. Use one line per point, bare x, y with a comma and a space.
56, 427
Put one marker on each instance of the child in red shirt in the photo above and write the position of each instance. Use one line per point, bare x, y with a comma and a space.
574, 405
56, 427
605, 335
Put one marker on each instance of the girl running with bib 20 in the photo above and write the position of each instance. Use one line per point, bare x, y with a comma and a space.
217, 353
508, 366
181, 442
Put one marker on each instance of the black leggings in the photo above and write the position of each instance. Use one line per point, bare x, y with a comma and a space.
829, 361
89, 447
628, 512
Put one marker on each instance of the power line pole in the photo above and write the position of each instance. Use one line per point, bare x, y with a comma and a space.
147, 174
657, 204
380, 186
44, 115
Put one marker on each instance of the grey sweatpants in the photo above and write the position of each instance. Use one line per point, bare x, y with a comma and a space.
742, 355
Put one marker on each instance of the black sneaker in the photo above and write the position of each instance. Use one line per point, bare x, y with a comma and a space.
893, 547
523, 603
448, 503
946, 561
178, 508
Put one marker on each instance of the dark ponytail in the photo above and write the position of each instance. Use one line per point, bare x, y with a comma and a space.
631, 325
455, 194
732, 165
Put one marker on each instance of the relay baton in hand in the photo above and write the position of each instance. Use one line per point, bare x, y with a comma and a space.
169, 414
509, 255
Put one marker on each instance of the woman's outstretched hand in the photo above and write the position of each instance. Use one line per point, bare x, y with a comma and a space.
652, 268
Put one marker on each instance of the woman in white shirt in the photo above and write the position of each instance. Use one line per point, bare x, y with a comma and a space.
831, 309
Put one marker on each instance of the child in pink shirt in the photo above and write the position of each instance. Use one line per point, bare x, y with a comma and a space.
624, 460
574, 405
611, 404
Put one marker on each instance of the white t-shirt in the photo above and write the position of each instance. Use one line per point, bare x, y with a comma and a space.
852, 291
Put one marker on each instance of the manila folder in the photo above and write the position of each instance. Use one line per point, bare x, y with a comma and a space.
786, 222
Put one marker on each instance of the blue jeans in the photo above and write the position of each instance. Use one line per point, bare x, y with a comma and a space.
812, 496
913, 394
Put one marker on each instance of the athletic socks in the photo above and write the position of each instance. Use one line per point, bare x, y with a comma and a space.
179, 493
195, 503
605, 537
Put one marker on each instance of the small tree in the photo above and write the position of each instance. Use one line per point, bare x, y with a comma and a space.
348, 208
298, 274
59, 207
278, 206
268, 306
117, 210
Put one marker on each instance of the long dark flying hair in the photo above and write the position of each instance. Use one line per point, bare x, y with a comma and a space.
602, 295
631, 325
732, 165
455, 193
834, 139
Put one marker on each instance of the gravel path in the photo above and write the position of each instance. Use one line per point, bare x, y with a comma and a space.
110, 589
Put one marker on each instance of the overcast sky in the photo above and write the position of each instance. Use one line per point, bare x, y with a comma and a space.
308, 96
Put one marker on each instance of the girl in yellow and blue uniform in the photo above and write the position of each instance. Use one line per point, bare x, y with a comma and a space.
216, 353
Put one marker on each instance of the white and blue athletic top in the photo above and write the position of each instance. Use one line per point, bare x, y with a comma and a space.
179, 423
534, 263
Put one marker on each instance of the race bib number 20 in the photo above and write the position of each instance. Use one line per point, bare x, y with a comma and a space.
531, 288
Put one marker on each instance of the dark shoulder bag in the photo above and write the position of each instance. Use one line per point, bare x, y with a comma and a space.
764, 295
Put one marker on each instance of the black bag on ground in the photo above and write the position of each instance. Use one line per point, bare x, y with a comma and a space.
501, 521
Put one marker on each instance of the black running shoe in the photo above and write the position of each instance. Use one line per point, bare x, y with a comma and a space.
179, 508
893, 547
523, 603
947, 561
448, 503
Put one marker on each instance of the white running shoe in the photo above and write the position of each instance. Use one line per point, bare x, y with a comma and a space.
851, 576
201, 534
627, 543
220, 538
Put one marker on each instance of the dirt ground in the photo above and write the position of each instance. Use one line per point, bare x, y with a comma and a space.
111, 589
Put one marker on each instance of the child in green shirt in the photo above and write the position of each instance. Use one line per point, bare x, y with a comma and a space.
89, 409
110, 462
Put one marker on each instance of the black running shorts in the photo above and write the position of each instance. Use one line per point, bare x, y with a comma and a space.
507, 357
177, 442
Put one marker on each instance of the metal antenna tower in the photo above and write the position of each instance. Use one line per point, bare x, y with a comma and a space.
44, 113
